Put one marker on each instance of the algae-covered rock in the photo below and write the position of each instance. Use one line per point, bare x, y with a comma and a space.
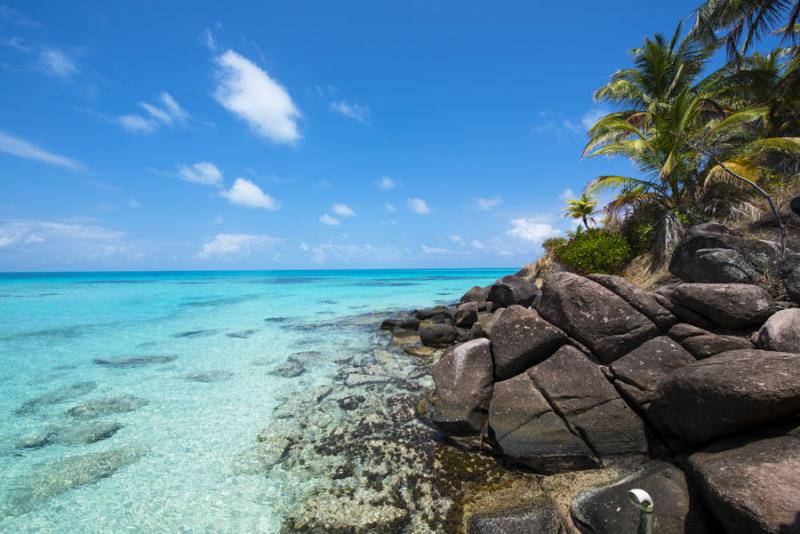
102, 407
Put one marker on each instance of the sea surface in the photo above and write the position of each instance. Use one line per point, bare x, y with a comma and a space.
126, 397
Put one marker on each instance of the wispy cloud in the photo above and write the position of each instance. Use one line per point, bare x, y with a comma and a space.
202, 172
329, 220
457, 239
531, 229
386, 183
247, 91
352, 111
245, 193
14, 16
436, 251
62, 239
418, 206
23, 149
389, 207
166, 113
488, 204
236, 245
343, 210
566, 194
56, 63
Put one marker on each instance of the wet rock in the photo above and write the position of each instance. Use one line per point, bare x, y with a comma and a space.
520, 339
26, 492
580, 393
208, 377
708, 345
361, 379
525, 428
513, 289
638, 298
781, 332
727, 305
638, 373
123, 362
752, 483
726, 393
56, 396
537, 516
437, 335
307, 357
593, 315
289, 369
476, 294
403, 323
463, 378
429, 313
351, 403
608, 510
466, 314
102, 407
74, 434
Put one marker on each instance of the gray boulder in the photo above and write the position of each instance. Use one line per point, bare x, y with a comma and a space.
580, 393
792, 285
466, 314
707, 345
429, 313
520, 339
608, 509
463, 379
437, 334
593, 315
727, 393
682, 331
781, 332
664, 297
476, 294
752, 483
728, 305
638, 373
637, 298
513, 289
526, 429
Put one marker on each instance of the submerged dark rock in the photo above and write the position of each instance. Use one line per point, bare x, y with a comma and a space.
134, 361
208, 376
56, 396
69, 434
289, 369
102, 407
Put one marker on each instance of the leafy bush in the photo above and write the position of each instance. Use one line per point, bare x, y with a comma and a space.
552, 244
595, 251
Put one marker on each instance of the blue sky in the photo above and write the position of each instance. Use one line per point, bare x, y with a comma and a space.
191, 135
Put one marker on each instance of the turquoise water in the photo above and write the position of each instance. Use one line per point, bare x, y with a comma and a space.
173, 372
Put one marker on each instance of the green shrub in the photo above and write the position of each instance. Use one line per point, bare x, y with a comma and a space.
595, 251
552, 244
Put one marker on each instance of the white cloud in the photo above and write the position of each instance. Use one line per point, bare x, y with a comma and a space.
167, 113
391, 208
133, 203
351, 111
591, 117
457, 239
386, 183
201, 172
529, 229
566, 194
23, 149
436, 251
61, 239
211, 43
236, 244
418, 206
248, 92
487, 204
246, 193
343, 210
328, 220
477, 244
56, 63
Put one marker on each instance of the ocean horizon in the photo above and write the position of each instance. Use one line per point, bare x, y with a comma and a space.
133, 400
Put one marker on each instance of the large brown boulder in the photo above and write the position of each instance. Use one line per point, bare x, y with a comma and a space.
727, 305
520, 339
638, 298
638, 373
593, 315
435, 334
708, 345
580, 392
781, 332
466, 314
752, 483
608, 509
463, 379
513, 289
727, 393
526, 429
476, 294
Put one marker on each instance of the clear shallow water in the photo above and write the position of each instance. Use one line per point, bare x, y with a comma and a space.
168, 468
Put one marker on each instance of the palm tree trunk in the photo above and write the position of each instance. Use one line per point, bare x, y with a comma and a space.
585, 223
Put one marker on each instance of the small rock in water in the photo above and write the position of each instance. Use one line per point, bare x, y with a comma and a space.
276, 319
30, 490
290, 369
307, 356
134, 361
243, 334
100, 407
69, 434
208, 376
351, 403
196, 333
56, 396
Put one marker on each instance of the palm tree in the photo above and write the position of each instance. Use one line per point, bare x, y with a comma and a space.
581, 208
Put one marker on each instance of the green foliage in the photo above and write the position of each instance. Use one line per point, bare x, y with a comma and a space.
553, 244
595, 251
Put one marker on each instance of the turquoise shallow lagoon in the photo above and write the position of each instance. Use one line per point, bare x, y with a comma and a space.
172, 370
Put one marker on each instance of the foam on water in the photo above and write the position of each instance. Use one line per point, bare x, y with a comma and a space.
184, 361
